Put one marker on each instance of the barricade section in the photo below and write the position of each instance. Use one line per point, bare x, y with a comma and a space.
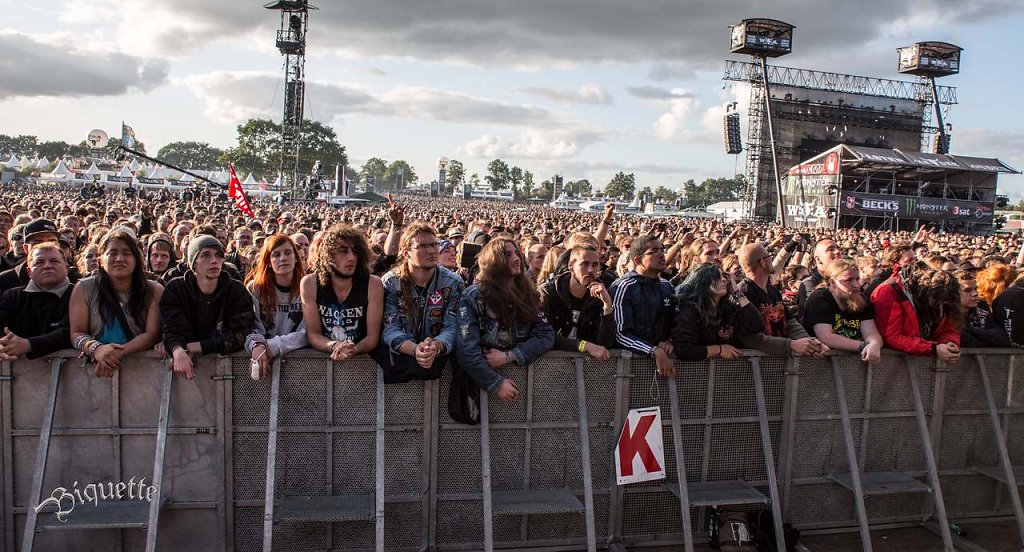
884, 430
720, 433
970, 470
535, 445
104, 432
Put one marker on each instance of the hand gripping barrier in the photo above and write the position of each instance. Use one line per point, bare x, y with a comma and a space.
346, 463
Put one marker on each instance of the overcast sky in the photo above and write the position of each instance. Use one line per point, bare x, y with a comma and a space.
579, 87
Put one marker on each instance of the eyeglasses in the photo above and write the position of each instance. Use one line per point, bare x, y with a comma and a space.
431, 245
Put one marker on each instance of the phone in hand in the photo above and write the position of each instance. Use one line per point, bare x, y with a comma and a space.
807, 238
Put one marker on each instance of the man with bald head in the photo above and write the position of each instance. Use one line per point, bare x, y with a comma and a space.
825, 251
782, 335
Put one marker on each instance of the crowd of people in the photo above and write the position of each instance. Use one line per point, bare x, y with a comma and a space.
420, 283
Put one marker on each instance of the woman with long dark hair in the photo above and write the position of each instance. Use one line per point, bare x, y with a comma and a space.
274, 284
920, 312
115, 311
500, 319
712, 316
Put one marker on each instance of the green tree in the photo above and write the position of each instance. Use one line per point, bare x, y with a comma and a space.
584, 187
527, 184
621, 185
375, 167
17, 145
497, 175
54, 149
665, 195
191, 155
646, 192
455, 175
399, 173
259, 147
474, 180
515, 176
547, 189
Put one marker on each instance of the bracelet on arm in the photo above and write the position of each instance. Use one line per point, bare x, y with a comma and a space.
719, 353
81, 341
581, 346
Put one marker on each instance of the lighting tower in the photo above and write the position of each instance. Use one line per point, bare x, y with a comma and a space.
930, 60
291, 41
761, 39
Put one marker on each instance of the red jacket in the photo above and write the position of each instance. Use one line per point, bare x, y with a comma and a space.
897, 321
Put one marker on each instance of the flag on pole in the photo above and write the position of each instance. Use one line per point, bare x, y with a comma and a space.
235, 192
127, 136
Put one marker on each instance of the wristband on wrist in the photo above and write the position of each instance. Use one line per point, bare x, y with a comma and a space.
581, 346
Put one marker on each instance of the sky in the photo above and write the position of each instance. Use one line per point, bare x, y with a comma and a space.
582, 88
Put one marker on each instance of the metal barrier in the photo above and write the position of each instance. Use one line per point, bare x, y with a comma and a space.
327, 444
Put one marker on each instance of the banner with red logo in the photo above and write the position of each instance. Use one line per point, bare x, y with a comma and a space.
640, 452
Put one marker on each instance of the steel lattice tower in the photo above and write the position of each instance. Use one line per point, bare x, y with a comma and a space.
291, 42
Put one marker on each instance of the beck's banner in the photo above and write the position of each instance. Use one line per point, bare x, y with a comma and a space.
912, 207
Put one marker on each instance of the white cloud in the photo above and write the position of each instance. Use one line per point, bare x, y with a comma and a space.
71, 65
532, 144
673, 126
588, 94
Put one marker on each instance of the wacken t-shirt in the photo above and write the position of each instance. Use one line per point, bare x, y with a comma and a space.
821, 308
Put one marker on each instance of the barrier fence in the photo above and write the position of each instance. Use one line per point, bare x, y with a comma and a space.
347, 469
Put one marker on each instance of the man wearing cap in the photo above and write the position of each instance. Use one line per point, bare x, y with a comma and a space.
455, 235
37, 231
34, 318
205, 310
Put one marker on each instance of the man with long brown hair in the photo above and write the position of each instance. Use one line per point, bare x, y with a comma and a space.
342, 302
500, 319
421, 301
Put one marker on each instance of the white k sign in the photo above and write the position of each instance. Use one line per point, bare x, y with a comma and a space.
640, 453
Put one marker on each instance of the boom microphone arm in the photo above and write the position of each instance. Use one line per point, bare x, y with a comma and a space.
170, 166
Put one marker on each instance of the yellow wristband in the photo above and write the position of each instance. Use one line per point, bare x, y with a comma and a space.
582, 346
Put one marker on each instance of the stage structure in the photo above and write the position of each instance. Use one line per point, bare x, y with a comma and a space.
890, 189
291, 42
930, 60
814, 111
762, 39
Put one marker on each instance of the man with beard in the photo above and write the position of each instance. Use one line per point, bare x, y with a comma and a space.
205, 310
644, 305
839, 314
825, 251
342, 302
579, 307
782, 334
421, 302
980, 327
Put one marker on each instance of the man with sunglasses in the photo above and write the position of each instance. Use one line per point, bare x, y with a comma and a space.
643, 305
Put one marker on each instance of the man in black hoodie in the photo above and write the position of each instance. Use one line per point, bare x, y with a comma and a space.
34, 318
205, 310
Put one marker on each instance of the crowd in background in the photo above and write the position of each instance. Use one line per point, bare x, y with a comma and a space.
419, 283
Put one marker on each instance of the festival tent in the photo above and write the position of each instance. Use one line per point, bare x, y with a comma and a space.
25, 163
93, 170
186, 178
134, 165
249, 181
125, 172
42, 163
13, 162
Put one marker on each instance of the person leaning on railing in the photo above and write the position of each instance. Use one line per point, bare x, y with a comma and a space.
839, 314
421, 302
579, 307
919, 313
205, 310
115, 311
500, 320
980, 327
274, 285
34, 318
712, 316
644, 305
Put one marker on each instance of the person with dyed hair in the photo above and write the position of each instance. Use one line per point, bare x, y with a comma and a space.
274, 284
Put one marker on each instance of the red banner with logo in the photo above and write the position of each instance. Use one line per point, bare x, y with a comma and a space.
236, 192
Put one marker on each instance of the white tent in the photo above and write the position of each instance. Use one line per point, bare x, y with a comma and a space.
13, 162
42, 163
134, 165
61, 169
187, 178
249, 180
93, 170
125, 172
25, 163
157, 172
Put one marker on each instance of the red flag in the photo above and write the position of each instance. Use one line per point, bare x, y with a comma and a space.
235, 192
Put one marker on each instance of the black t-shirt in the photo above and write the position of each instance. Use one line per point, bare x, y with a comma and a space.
769, 303
821, 308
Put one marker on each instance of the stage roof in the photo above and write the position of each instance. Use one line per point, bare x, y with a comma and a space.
865, 160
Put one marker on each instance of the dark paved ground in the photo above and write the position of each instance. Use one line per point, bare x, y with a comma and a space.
991, 536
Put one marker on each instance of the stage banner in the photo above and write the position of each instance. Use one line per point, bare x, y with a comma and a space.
808, 191
922, 208
144, 180
119, 179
